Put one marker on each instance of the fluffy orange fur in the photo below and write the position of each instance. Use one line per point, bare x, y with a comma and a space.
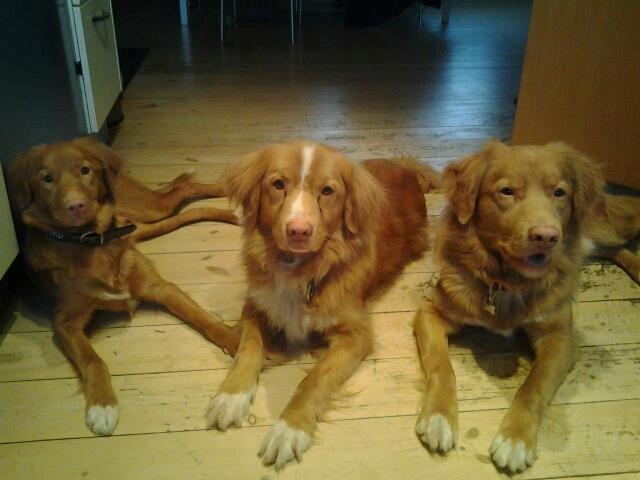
364, 223
494, 272
43, 183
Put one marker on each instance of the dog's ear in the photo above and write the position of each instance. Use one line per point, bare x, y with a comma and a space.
19, 179
111, 162
364, 201
243, 180
461, 182
586, 179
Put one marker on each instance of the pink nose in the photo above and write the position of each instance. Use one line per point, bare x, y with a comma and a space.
544, 237
76, 206
299, 229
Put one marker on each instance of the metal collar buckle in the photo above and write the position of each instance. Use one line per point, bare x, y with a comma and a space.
92, 237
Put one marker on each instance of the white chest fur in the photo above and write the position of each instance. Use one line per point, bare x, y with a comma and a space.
283, 300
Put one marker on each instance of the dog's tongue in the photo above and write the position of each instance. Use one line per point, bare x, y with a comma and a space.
537, 260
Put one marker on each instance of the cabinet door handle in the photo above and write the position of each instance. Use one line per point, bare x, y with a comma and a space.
104, 14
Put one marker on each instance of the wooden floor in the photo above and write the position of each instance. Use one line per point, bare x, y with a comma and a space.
394, 90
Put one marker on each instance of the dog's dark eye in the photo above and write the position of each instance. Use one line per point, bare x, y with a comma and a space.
327, 191
279, 184
47, 178
559, 193
507, 191
84, 170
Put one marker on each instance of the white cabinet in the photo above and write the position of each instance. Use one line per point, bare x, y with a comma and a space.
96, 55
8, 243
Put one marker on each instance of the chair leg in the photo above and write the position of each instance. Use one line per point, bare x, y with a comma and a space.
184, 12
235, 15
419, 14
291, 22
445, 7
221, 21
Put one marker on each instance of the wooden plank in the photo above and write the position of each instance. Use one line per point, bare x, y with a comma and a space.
155, 403
228, 89
33, 355
446, 141
192, 156
379, 448
303, 115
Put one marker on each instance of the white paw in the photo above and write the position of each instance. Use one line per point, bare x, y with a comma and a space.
436, 433
514, 456
102, 420
239, 213
228, 409
282, 444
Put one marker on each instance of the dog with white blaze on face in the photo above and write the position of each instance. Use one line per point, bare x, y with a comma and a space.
322, 236
509, 252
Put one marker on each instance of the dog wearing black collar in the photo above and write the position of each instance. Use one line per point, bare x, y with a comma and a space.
82, 216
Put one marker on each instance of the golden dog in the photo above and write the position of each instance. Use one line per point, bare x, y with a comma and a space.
77, 206
322, 236
509, 254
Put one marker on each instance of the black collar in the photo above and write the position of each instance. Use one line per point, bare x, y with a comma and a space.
92, 238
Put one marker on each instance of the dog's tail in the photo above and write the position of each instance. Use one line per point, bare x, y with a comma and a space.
426, 175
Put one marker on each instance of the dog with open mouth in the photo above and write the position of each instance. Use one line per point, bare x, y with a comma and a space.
509, 252
322, 236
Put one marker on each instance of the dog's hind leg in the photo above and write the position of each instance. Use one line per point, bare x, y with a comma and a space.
193, 215
182, 188
141, 204
624, 258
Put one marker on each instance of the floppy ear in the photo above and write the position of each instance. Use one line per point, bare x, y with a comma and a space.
19, 178
364, 201
461, 183
588, 183
111, 162
243, 180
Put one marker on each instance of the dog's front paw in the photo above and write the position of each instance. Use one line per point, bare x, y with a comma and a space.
102, 420
283, 443
512, 454
436, 432
227, 409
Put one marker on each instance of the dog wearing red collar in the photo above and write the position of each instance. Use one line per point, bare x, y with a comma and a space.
509, 252
77, 206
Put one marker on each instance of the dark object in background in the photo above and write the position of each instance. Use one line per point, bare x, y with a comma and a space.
130, 59
369, 13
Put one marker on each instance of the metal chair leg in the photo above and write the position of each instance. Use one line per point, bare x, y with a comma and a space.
184, 12
291, 22
221, 21
445, 7
419, 14
235, 15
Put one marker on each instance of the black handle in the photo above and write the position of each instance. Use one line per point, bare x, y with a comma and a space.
102, 17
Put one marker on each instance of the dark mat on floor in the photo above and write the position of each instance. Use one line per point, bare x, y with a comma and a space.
130, 60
